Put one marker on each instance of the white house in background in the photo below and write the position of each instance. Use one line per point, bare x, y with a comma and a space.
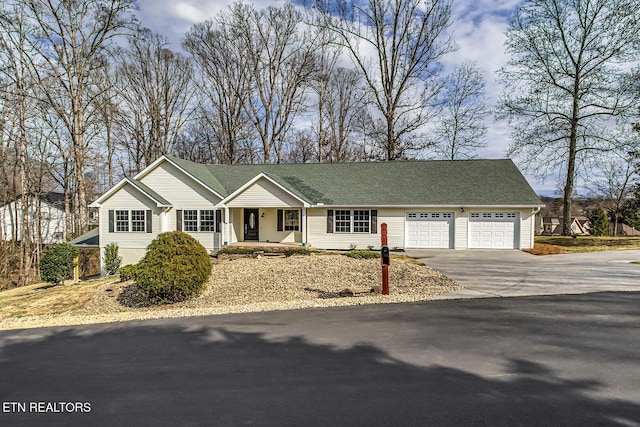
426, 204
45, 214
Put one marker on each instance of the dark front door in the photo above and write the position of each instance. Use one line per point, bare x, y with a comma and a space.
251, 224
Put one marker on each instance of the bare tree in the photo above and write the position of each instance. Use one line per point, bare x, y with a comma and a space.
327, 56
616, 176
107, 111
299, 147
281, 60
18, 107
223, 86
68, 39
345, 100
566, 79
396, 45
461, 128
154, 93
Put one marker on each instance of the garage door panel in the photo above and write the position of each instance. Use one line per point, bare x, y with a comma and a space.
493, 230
429, 230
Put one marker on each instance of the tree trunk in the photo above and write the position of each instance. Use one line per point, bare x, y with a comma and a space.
568, 187
391, 147
571, 161
80, 193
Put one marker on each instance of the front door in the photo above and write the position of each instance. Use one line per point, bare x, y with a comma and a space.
251, 224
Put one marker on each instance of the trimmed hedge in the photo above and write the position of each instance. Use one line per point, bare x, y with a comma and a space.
362, 254
57, 263
175, 267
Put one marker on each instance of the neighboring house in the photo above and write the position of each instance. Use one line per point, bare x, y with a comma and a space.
426, 204
552, 226
45, 214
626, 230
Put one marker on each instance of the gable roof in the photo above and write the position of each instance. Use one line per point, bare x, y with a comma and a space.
258, 177
144, 189
397, 183
197, 171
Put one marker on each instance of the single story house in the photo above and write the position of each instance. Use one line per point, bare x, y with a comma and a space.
46, 217
426, 204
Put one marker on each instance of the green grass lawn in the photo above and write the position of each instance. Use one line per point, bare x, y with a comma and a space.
590, 243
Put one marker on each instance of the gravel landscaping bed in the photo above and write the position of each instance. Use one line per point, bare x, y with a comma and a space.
262, 284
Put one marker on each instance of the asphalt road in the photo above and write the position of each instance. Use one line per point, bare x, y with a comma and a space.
534, 361
506, 273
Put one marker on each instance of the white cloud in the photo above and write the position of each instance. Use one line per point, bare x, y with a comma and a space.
478, 27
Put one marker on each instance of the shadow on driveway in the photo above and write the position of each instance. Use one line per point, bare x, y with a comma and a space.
173, 373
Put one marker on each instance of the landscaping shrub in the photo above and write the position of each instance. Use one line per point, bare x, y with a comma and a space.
295, 251
111, 259
247, 251
57, 263
362, 254
126, 272
175, 267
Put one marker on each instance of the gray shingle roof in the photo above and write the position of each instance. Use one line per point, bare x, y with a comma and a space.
146, 189
403, 183
90, 239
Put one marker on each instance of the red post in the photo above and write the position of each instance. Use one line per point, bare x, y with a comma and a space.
385, 260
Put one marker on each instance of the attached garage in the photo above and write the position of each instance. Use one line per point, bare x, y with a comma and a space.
429, 230
493, 230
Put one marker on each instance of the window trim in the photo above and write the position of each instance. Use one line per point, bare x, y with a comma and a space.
130, 221
295, 227
352, 221
199, 220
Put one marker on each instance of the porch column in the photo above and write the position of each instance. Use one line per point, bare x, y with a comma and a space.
304, 226
164, 220
227, 230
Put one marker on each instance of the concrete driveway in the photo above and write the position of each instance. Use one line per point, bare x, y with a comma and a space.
503, 273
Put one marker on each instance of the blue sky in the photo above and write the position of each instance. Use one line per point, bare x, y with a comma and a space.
478, 26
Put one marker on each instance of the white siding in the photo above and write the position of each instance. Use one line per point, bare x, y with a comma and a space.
461, 230
527, 228
263, 194
395, 219
128, 198
269, 228
129, 256
319, 238
178, 188
52, 222
237, 230
183, 193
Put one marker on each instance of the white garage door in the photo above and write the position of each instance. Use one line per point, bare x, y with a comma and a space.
493, 230
429, 230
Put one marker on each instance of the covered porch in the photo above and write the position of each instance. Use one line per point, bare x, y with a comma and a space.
264, 211
265, 226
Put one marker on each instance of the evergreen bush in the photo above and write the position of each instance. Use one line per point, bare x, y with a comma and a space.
111, 259
57, 263
126, 272
362, 254
175, 267
599, 221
